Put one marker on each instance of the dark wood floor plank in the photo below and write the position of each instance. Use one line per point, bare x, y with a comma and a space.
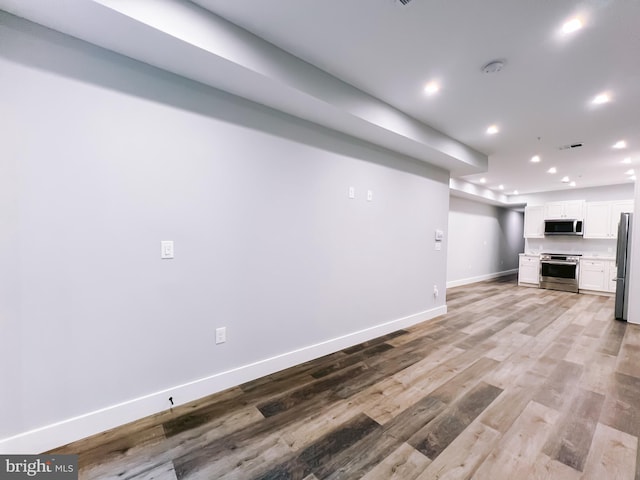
360, 458
376, 341
571, 440
352, 359
311, 391
316, 456
404, 463
288, 375
406, 424
432, 439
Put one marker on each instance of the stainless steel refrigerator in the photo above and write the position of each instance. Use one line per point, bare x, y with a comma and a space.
623, 253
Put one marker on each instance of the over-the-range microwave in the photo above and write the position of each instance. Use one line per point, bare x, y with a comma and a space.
563, 227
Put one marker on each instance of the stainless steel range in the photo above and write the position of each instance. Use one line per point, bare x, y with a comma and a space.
559, 271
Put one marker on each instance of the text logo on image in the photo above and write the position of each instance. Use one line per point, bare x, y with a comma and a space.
50, 467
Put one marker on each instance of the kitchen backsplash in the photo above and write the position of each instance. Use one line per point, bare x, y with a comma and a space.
584, 246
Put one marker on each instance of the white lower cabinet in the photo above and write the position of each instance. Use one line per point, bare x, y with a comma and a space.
597, 275
529, 270
592, 275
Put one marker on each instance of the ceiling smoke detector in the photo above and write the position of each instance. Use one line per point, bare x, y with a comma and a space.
493, 67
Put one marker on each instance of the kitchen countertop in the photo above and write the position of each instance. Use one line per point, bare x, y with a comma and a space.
583, 257
597, 257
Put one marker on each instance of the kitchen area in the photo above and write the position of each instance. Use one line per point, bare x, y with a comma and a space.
578, 246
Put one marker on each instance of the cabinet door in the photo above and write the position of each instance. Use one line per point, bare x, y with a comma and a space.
597, 222
616, 209
534, 222
571, 209
574, 209
592, 275
528, 271
553, 210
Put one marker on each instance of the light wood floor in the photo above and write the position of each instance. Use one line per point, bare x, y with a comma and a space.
513, 383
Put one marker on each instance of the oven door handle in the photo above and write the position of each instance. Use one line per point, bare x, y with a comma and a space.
558, 262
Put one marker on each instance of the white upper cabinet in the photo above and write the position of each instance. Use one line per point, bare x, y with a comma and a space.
601, 218
618, 207
534, 222
597, 221
573, 209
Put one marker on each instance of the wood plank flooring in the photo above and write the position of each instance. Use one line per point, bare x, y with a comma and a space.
512, 383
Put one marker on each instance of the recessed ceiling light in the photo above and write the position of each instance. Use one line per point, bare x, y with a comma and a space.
535, 158
601, 98
552, 170
620, 144
515, 192
565, 180
493, 129
431, 88
629, 172
483, 180
572, 184
501, 187
627, 160
572, 25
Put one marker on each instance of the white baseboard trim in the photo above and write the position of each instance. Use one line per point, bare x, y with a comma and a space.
480, 278
69, 430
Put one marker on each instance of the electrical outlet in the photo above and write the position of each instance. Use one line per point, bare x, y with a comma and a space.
221, 335
352, 192
435, 291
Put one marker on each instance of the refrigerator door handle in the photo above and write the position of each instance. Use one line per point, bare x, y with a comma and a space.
619, 246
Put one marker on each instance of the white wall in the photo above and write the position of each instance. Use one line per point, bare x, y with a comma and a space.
634, 267
484, 241
102, 158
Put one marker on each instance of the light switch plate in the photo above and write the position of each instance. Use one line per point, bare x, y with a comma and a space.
221, 335
166, 249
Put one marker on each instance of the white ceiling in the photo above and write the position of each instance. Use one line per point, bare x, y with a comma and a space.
540, 100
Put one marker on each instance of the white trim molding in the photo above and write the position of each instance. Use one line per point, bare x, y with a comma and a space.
61, 433
480, 278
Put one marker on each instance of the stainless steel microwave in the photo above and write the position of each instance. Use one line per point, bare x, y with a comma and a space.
563, 227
